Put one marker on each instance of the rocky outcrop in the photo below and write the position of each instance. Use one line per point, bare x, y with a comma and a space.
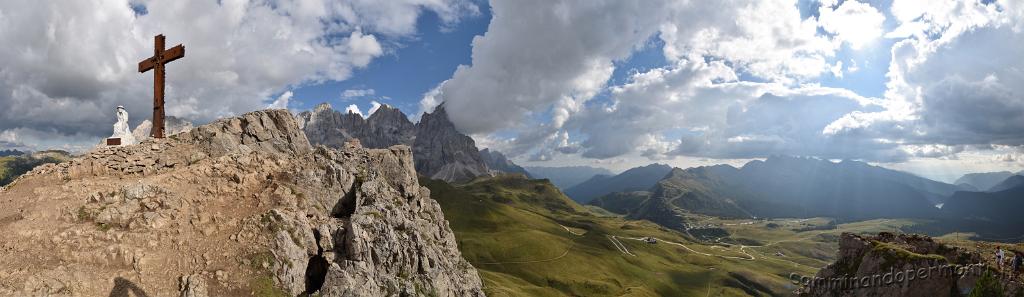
898, 265
241, 206
440, 151
498, 163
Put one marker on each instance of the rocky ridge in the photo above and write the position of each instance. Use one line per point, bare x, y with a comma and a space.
439, 150
905, 265
240, 206
498, 163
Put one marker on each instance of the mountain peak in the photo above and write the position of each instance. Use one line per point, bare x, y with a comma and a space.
323, 107
1009, 183
387, 113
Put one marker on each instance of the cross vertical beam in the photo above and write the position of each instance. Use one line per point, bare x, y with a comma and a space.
157, 64
158, 90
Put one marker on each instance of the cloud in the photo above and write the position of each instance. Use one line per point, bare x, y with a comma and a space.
356, 93
395, 17
375, 105
837, 70
718, 116
852, 22
352, 108
67, 66
429, 101
653, 101
282, 101
959, 86
538, 52
766, 39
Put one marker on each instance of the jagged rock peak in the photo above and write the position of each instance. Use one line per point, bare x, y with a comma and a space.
439, 118
440, 151
240, 205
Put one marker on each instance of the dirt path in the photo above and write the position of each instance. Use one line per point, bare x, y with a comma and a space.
570, 231
530, 261
618, 244
539, 261
751, 257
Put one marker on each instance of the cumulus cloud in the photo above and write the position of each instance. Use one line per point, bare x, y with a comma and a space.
553, 61
67, 66
958, 86
740, 80
766, 39
538, 52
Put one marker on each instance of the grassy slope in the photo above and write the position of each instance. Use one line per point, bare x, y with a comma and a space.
502, 222
3, 167
13, 166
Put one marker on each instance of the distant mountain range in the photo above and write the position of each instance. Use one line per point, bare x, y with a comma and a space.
784, 187
5, 153
983, 181
994, 215
439, 150
498, 163
635, 179
569, 176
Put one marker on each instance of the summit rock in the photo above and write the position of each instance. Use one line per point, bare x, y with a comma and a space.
240, 206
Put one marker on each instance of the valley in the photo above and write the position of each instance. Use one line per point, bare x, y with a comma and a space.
526, 238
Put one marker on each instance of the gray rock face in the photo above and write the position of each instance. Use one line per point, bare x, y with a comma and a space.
383, 236
444, 153
440, 151
272, 131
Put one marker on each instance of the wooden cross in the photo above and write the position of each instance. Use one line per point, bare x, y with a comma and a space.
156, 62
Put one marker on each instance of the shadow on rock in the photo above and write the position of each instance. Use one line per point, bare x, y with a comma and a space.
126, 288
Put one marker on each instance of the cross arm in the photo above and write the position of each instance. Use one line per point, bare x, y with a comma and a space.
174, 53
167, 56
147, 64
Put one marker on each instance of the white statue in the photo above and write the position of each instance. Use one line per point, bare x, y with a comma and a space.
121, 128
